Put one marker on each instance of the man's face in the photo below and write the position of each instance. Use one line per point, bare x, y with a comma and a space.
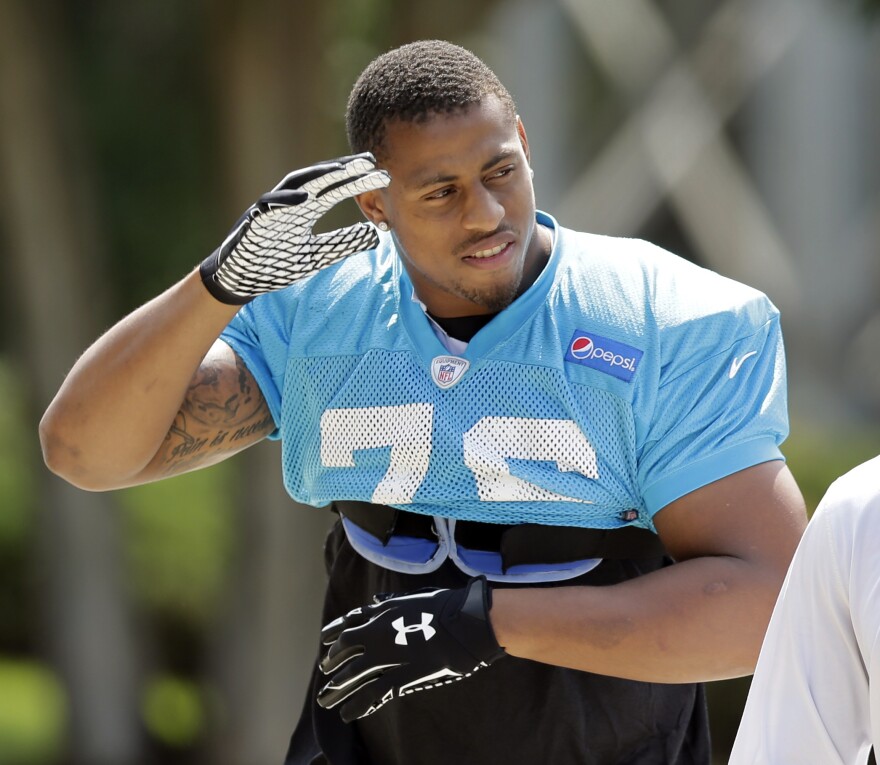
461, 207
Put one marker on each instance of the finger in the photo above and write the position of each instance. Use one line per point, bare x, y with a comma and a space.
378, 179
348, 158
338, 656
281, 198
355, 634
368, 701
296, 179
345, 683
352, 157
353, 169
346, 241
332, 630
277, 231
341, 651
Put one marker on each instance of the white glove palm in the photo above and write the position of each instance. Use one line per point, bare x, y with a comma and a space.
272, 245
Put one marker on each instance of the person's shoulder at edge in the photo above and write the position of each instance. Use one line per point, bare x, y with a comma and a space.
856, 492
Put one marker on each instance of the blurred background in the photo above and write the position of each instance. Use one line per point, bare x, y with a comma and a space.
176, 623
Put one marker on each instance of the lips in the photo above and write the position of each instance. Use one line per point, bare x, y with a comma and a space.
489, 248
488, 253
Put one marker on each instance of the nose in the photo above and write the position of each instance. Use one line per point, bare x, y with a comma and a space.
482, 211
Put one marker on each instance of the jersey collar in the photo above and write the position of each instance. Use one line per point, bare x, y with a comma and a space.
421, 330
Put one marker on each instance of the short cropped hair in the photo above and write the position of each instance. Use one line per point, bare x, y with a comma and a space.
413, 82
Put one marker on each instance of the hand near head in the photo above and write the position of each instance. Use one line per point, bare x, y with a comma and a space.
272, 245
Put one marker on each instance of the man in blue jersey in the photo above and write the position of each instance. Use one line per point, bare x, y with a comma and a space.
555, 455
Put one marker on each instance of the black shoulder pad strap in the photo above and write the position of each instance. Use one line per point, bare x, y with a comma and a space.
527, 543
533, 543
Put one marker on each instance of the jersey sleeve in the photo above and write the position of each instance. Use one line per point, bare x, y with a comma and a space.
720, 407
258, 334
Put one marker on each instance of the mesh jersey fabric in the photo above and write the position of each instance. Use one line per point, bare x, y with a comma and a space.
815, 695
682, 384
516, 712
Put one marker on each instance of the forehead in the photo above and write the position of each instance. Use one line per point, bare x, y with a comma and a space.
445, 144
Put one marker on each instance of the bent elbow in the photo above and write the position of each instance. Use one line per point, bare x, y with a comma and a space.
62, 457
58, 455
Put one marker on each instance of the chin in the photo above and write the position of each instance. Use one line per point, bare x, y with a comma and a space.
499, 299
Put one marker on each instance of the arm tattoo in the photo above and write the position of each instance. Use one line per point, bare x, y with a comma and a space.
212, 404
223, 410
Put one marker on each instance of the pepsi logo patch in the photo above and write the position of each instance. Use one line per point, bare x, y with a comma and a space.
609, 356
448, 370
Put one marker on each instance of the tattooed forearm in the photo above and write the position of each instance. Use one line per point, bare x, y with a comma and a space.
223, 412
178, 466
218, 396
182, 450
188, 444
266, 425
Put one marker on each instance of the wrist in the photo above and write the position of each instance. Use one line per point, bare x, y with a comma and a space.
505, 621
192, 289
208, 271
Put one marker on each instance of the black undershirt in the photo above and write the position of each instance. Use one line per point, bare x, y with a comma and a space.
463, 327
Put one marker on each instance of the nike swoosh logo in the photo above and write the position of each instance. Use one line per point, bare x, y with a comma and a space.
738, 362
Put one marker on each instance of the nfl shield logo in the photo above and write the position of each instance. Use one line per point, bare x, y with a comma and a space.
448, 370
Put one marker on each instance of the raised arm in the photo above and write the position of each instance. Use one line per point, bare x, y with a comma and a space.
701, 619
155, 396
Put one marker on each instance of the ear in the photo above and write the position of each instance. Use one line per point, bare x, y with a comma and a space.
523, 138
372, 204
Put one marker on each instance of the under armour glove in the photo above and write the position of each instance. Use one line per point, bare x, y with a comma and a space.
272, 245
404, 644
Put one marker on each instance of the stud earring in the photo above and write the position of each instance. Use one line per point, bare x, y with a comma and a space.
382, 225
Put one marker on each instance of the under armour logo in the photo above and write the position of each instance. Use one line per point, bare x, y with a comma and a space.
402, 629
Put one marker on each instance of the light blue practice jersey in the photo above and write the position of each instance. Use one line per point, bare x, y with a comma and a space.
622, 379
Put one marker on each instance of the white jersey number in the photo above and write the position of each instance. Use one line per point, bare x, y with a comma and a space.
490, 443
406, 429
488, 446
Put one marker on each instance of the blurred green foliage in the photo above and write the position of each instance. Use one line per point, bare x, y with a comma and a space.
179, 538
16, 483
32, 713
17, 509
819, 455
145, 96
173, 710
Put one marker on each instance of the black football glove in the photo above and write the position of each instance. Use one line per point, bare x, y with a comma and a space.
272, 245
404, 644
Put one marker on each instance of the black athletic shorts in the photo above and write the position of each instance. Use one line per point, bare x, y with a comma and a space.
516, 712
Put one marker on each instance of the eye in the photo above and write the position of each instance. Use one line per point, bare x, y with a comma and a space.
502, 173
440, 193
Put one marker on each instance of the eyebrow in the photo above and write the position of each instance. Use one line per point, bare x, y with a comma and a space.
438, 179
